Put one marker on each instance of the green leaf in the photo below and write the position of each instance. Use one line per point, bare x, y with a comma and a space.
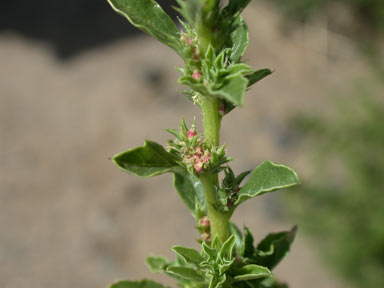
186, 273
189, 188
146, 161
252, 271
247, 248
137, 284
210, 252
235, 6
217, 281
190, 256
233, 229
157, 263
273, 248
267, 177
148, 16
227, 248
257, 76
240, 40
233, 90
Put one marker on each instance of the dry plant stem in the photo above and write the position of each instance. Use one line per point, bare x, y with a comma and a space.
219, 222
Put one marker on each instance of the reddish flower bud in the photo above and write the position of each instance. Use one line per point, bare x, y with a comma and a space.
191, 134
204, 221
199, 150
205, 158
198, 166
196, 74
187, 40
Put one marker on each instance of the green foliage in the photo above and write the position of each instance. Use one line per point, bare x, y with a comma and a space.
212, 40
343, 204
219, 265
267, 177
148, 16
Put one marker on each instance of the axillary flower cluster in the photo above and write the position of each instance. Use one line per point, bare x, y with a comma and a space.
193, 153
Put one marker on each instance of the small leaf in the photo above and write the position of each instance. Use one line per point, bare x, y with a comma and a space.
252, 271
146, 161
247, 248
189, 188
210, 252
148, 16
240, 40
217, 281
267, 177
217, 243
235, 6
137, 284
233, 229
190, 256
157, 263
227, 248
186, 273
273, 248
257, 76
233, 90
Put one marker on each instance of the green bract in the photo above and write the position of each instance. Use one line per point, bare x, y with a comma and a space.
211, 40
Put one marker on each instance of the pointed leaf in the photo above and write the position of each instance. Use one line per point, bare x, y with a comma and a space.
191, 256
233, 89
189, 188
257, 76
148, 16
146, 161
240, 40
235, 6
137, 284
274, 248
267, 177
247, 249
250, 272
216, 281
157, 263
210, 252
233, 229
186, 273
227, 248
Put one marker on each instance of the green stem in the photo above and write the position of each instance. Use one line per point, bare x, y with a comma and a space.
219, 221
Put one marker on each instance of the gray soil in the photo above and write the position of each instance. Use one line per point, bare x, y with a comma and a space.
69, 218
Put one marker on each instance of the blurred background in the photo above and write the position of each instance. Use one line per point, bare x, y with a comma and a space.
78, 84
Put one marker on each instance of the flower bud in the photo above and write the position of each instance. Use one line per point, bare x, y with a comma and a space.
199, 150
196, 74
204, 221
198, 166
205, 237
191, 134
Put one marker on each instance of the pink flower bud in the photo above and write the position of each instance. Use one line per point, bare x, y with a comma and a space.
187, 40
205, 158
199, 150
204, 221
198, 166
196, 74
191, 134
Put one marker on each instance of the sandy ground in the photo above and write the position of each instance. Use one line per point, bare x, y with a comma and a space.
69, 218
